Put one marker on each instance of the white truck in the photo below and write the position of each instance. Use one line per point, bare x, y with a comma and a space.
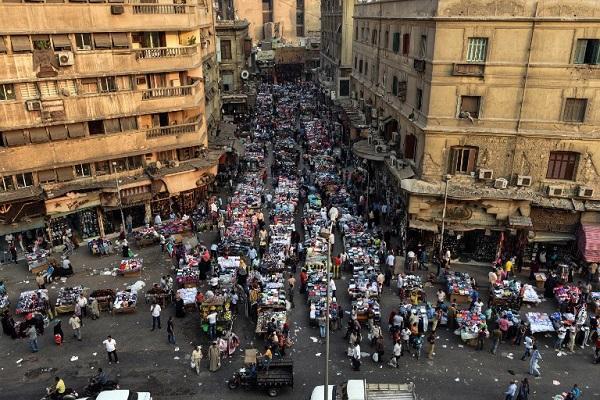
359, 389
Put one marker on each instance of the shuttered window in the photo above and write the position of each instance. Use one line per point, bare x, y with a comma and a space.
20, 44
102, 41
57, 132
128, 124
89, 85
68, 87
120, 40
396, 42
410, 147
406, 44
47, 176
65, 174
38, 135
48, 89
470, 105
14, 138
395, 86
3, 48
562, 165
76, 130
587, 52
575, 110
112, 125
28, 91
477, 49
463, 160
61, 42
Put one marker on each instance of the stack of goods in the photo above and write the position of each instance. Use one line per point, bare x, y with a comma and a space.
187, 276
175, 226
125, 300
130, 266
458, 286
228, 267
33, 300
188, 295
362, 306
567, 294
37, 259
469, 324
363, 283
266, 316
539, 322
530, 295
559, 319
506, 293
67, 297
4, 302
105, 298
146, 236
595, 296
220, 304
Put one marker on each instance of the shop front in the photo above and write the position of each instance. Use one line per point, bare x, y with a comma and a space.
78, 211
21, 213
135, 196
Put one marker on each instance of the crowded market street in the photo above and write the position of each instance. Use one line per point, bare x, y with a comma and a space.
294, 183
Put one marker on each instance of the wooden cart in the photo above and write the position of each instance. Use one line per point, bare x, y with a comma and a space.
124, 310
460, 298
105, 298
162, 298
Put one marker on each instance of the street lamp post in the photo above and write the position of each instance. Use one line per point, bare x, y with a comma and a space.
120, 201
330, 241
444, 215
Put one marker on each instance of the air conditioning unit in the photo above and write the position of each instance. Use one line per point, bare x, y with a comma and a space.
381, 148
117, 9
585, 191
555, 191
523, 180
65, 58
486, 174
500, 183
33, 105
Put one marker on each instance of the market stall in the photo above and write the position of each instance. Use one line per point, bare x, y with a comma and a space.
539, 322
105, 298
220, 304
32, 301
125, 302
37, 261
145, 237
159, 296
458, 287
67, 298
130, 267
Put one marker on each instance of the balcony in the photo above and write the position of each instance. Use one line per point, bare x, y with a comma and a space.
14, 114
419, 65
80, 16
174, 130
107, 62
460, 69
35, 157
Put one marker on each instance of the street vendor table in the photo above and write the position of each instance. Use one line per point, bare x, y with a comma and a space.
125, 302
265, 317
158, 296
130, 267
4, 303
539, 322
37, 261
105, 298
67, 298
222, 306
33, 300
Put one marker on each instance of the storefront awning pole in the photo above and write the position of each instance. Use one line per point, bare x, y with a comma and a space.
444, 215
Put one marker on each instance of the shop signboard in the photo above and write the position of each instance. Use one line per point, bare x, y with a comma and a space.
72, 202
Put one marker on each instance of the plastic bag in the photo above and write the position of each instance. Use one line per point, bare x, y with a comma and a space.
192, 365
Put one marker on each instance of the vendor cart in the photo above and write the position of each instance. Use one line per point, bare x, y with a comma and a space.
159, 296
255, 375
131, 267
67, 298
222, 306
125, 302
105, 298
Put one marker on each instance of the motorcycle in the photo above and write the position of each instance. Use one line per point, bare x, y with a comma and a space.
69, 394
93, 387
242, 378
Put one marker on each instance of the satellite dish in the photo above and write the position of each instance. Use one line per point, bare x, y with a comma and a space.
245, 74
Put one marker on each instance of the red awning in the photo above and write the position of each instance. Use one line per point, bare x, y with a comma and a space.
588, 242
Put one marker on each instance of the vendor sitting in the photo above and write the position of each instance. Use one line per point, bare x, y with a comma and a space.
49, 274
66, 269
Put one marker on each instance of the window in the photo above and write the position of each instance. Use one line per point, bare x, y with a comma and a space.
3, 49
164, 155
344, 87
463, 160
108, 84
419, 102
587, 51
469, 106
41, 42
406, 44
7, 91
119, 165
67, 87
362, 33
423, 47
575, 110
187, 153
366, 68
128, 124
134, 162
355, 62
396, 42
46, 176
477, 49
386, 40
83, 170
227, 81
6, 183
112, 125
28, 91
20, 44
410, 147
96, 127
102, 168
360, 64
225, 49
48, 89
562, 165
267, 11
89, 86
24, 180
300, 30
356, 33
374, 37
83, 41
61, 42
395, 86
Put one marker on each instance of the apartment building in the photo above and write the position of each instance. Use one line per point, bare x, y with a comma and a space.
271, 19
492, 106
336, 47
102, 106
234, 56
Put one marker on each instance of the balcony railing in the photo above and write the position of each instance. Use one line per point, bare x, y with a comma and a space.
160, 9
176, 91
172, 130
165, 52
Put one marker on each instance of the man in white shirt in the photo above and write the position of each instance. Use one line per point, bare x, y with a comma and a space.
157, 220
356, 357
397, 353
389, 261
111, 349
82, 302
511, 392
212, 325
155, 310
332, 287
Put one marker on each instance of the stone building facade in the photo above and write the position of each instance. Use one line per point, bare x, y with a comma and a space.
103, 106
269, 19
336, 47
494, 103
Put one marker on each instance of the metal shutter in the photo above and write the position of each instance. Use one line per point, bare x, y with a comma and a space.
38, 135
28, 91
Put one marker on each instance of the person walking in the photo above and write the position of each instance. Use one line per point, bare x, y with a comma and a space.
528, 347
574, 393
481, 335
95, 309
561, 333
214, 357
212, 325
396, 354
356, 357
111, 349
497, 337
171, 331
155, 310
32, 337
75, 323
534, 362
511, 391
431, 343
196, 359
523, 392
